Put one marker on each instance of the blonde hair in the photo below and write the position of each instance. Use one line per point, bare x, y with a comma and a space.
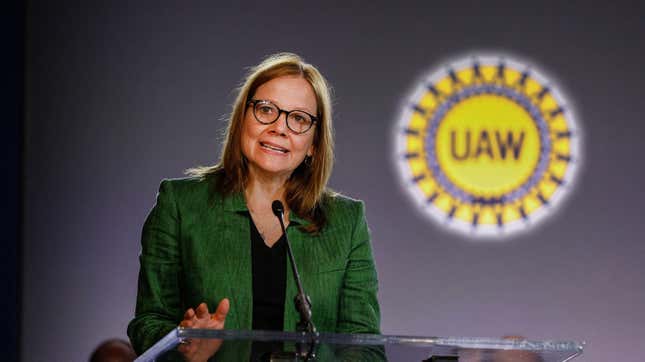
306, 187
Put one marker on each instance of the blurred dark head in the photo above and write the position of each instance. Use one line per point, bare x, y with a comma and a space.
113, 350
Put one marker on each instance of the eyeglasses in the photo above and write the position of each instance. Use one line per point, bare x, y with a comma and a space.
266, 112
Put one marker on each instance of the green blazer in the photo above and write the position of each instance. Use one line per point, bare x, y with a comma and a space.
196, 247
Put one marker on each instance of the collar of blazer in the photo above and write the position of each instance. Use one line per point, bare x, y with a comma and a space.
236, 203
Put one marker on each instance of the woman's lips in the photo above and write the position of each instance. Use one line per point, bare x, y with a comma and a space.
273, 147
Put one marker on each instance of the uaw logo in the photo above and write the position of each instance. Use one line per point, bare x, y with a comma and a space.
487, 146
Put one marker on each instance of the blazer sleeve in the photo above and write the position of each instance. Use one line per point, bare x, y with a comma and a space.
158, 308
359, 309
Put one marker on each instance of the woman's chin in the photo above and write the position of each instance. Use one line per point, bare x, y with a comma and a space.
274, 170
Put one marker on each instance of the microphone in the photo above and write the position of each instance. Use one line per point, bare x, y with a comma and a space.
302, 301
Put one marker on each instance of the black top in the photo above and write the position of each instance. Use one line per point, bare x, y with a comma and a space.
269, 270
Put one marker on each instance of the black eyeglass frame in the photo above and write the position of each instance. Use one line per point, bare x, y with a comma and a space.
253, 102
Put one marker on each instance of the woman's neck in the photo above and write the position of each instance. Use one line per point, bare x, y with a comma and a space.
260, 192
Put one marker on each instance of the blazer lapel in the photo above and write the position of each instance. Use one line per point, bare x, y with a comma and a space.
237, 233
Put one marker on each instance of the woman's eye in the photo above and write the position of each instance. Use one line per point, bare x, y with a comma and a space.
299, 118
266, 109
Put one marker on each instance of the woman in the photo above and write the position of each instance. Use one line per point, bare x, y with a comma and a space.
212, 240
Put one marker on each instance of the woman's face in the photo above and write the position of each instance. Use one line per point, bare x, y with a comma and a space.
273, 149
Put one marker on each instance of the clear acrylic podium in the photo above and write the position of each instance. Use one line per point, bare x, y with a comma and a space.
244, 346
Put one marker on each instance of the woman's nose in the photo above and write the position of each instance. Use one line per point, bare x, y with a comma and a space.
280, 125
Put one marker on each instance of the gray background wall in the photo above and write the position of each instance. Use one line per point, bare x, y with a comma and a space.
123, 94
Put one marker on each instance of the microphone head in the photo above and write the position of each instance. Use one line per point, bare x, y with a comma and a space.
277, 207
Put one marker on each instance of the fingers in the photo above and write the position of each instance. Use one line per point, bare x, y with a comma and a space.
190, 313
196, 317
202, 311
189, 317
222, 310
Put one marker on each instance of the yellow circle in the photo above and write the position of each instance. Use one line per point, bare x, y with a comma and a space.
487, 145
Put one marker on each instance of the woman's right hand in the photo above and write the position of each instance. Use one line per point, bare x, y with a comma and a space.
200, 350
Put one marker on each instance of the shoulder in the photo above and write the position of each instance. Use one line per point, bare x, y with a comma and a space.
186, 189
336, 200
338, 207
346, 224
184, 185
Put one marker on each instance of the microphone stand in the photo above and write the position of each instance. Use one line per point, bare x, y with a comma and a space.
301, 300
